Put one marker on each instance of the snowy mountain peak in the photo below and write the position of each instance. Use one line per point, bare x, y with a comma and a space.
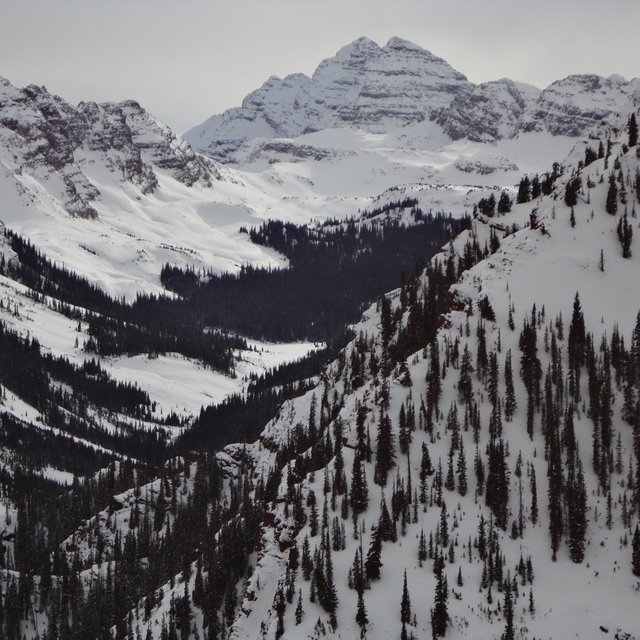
380, 89
108, 189
400, 43
43, 133
364, 85
359, 46
574, 104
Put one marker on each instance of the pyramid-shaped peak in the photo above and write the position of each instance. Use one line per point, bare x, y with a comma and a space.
365, 85
400, 43
359, 47
366, 56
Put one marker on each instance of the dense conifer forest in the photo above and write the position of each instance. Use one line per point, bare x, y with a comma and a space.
78, 442
336, 269
116, 327
511, 425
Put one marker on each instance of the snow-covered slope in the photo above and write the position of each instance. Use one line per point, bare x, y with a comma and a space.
531, 279
426, 370
381, 89
112, 193
364, 85
175, 384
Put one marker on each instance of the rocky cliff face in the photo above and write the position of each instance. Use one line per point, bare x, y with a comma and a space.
47, 140
493, 110
573, 105
364, 85
380, 89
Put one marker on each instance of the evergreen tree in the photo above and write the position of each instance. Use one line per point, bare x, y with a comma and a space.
450, 481
440, 612
635, 552
443, 526
434, 384
405, 603
386, 526
465, 383
306, 563
497, 492
612, 197
536, 187
601, 153
404, 434
571, 191
426, 468
361, 433
487, 206
524, 191
493, 379
632, 128
576, 345
329, 601
361, 615
478, 467
589, 156
576, 511
422, 548
555, 491
313, 518
385, 450
462, 470
373, 563
495, 421
482, 359
531, 370
359, 496
568, 434
510, 402
504, 203
509, 631
299, 613
625, 235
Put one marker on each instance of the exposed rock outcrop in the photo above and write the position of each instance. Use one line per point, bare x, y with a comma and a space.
52, 142
374, 88
379, 89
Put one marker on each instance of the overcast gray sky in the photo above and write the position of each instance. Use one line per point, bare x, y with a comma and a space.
185, 60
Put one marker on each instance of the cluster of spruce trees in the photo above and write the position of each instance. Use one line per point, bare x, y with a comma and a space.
336, 269
578, 376
409, 327
148, 325
193, 528
67, 394
579, 381
182, 529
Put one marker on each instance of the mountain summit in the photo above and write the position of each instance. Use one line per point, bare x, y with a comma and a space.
364, 85
462, 461
380, 89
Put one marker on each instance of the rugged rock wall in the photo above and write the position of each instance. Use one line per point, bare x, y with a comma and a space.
53, 142
380, 89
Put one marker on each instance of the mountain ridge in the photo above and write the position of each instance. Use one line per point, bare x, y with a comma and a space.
522, 272
403, 71
468, 465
